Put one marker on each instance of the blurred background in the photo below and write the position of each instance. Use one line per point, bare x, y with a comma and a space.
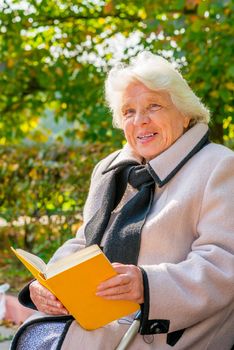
54, 126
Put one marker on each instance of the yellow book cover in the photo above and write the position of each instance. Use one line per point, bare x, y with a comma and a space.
74, 280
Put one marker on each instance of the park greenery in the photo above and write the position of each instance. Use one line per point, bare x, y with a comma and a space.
54, 56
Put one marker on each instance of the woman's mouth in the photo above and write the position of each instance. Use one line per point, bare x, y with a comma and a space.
146, 137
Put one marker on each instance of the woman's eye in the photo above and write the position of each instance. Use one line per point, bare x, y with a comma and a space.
154, 107
128, 113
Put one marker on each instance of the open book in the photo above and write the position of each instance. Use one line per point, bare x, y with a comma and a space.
74, 280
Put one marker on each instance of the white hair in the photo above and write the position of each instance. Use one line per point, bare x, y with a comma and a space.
156, 73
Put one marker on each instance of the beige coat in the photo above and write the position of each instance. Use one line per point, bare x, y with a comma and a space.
187, 248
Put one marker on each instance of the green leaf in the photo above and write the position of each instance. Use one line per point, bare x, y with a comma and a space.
203, 7
230, 71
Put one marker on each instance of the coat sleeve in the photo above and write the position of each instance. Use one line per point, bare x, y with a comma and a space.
198, 287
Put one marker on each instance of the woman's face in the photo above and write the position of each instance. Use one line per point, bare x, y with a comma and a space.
151, 122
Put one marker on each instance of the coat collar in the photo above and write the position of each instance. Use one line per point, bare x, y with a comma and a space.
164, 166
170, 161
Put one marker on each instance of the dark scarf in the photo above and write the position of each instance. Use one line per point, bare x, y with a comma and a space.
123, 237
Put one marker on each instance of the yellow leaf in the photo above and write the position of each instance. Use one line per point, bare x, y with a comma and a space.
13, 167
142, 13
230, 85
33, 173
101, 20
2, 141
25, 127
50, 206
214, 94
10, 63
60, 198
33, 122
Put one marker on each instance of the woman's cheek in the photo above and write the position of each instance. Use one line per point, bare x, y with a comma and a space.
128, 131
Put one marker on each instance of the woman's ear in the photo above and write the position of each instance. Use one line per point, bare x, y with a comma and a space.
186, 122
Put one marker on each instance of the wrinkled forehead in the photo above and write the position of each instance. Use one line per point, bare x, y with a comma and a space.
137, 92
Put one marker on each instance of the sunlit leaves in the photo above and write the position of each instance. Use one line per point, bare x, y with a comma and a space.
63, 48
45, 180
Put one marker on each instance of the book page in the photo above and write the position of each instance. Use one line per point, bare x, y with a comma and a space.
33, 259
71, 260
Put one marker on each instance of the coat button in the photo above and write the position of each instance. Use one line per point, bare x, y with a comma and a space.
155, 328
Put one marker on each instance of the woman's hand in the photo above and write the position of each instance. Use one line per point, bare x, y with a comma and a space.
127, 285
45, 301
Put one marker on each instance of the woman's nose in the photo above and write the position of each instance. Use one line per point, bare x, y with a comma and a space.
141, 117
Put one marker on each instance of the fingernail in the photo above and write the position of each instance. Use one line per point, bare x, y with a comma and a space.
99, 287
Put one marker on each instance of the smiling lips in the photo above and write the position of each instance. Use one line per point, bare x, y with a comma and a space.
146, 137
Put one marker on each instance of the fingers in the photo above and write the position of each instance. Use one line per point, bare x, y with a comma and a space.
115, 286
45, 301
122, 279
127, 285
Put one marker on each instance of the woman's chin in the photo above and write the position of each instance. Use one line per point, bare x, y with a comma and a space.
148, 155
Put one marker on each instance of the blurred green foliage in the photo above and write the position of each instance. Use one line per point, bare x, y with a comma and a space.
44, 184
54, 55
45, 180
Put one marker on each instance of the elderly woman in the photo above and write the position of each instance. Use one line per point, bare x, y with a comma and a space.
162, 209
